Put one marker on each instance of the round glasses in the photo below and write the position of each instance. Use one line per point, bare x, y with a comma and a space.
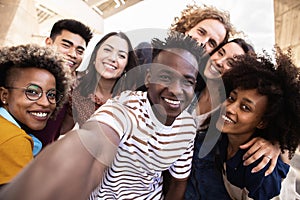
34, 92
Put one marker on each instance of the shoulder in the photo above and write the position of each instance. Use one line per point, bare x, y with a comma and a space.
129, 99
129, 96
186, 117
10, 132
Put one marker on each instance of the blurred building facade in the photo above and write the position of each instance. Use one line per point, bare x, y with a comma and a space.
26, 21
287, 34
287, 26
18, 16
30, 21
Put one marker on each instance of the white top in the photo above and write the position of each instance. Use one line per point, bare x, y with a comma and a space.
146, 149
200, 119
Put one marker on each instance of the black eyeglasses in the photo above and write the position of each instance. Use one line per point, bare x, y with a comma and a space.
34, 92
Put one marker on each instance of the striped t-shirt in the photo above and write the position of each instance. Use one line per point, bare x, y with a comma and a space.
147, 148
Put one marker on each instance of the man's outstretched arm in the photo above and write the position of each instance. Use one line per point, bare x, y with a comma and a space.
69, 168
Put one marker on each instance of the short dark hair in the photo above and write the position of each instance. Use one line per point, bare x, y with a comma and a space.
280, 83
72, 26
34, 56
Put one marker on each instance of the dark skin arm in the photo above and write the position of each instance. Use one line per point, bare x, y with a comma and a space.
176, 189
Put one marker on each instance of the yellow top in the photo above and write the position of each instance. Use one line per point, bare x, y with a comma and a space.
15, 150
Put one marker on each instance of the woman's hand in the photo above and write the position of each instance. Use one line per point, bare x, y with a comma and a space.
259, 147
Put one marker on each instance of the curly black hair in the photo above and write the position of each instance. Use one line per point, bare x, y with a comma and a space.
280, 82
177, 40
31, 55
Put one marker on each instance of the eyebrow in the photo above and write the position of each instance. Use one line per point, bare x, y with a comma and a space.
72, 44
170, 72
200, 28
248, 100
223, 50
244, 99
113, 48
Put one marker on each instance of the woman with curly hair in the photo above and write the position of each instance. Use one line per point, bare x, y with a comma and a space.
263, 100
33, 84
206, 24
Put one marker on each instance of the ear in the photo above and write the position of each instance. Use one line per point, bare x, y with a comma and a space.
3, 95
147, 79
48, 41
262, 124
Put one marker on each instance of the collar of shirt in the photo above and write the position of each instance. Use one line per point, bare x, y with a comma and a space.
37, 144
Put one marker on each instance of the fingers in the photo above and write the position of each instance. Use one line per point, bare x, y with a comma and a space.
254, 145
248, 144
263, 164
272, 166
258, 148
254, 155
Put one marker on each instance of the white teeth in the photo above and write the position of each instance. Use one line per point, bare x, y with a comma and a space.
39, 114
214, 69
228, 120
172, 101
110, 66
68, 62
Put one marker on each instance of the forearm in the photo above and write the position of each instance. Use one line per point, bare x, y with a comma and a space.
69, 168
176, 189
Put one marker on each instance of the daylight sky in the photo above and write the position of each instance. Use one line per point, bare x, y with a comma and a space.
150, 18
254, 17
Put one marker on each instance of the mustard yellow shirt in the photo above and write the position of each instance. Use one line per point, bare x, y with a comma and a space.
15, 150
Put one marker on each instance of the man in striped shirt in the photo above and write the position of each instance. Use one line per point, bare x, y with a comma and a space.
137, 134
155, 132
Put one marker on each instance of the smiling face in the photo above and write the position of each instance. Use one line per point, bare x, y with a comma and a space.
242, 112
222, 59
112, 58
171, 82
209, 32
33, 114
71, 46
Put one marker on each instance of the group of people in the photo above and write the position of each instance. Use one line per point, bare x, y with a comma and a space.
213, 120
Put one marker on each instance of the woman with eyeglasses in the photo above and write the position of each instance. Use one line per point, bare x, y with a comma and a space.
33, 84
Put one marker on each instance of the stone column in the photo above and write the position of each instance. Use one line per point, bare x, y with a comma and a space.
287, 26
18, 22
